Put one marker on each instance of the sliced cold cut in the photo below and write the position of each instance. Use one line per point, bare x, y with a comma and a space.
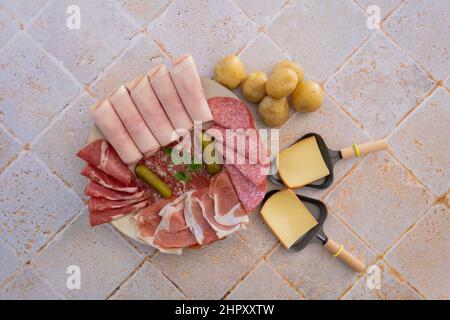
99, 217
230, 113
187, 82
108, 182
102, 156
152, 112
102, 204
95, 189
132, 119
167, 94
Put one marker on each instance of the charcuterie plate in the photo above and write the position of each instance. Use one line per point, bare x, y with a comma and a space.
125, 224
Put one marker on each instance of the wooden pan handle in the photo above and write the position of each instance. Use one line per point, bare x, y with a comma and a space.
338, 251
364, 148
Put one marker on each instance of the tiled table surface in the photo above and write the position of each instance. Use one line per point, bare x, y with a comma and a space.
390, 209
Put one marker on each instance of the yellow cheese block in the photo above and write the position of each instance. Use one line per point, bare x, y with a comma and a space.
287, 217
301, 163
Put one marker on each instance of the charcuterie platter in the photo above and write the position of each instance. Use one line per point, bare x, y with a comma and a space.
125, 224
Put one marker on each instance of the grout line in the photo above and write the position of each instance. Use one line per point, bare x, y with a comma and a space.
149, 24
125, 14
288, 281
241, 280
125, 280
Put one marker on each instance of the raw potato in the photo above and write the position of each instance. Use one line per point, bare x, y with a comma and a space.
254, 87
274, 112
307, 97
229, 72
281, 83
291, 65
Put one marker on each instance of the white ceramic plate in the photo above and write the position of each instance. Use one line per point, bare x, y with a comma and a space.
125, 225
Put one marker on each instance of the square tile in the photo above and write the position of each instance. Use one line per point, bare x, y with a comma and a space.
103, 34
208, 273
386, 6
144, 11
27, 286
7, 29
148, 284
422, 142
34, 204
262, 11
134, 62
8, 261
217, 28
423, 254
336, 128
59, 144
379, 85
104, 259
392, 286
380, 200
421, 28
314, 271
21, 10
9, 147
264, 284
32, 88
320, 35
258, 235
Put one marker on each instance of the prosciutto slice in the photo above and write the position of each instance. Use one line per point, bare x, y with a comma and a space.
193, 214
96, 190
135, 125
101, 204
102, 156
187, 82
227, 208
109, 123
152, 112
173, 232
108, 182
99, 217
249, 194
167, 94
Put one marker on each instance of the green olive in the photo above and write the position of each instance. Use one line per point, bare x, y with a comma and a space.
291, 65
273, 112
229, 72
307, 97
254, 87
281, 83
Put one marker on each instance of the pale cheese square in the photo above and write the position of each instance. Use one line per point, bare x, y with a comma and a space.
301, 163
287, 217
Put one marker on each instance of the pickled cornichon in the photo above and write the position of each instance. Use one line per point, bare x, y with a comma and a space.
152, 180
212, 168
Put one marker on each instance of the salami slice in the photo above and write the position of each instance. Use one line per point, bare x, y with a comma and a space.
230, 113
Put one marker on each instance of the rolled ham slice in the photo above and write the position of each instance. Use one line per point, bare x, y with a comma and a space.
109, 123
152, 112
187, 81
132, 119
167, 94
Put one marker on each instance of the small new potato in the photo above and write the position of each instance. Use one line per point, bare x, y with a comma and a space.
254, 87
307, 97
291, 65
281, 83
229, 72
273, 112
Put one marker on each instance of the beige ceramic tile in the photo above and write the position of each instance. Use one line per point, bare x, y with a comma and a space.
386, 6
379, 85
208, 273
134, 62
422, 256
258, 235
144, 11
320, 35
262, 11
21, 10
7, 28
264, 284
421, 28
209, 31
390, 286
147, 284
380, 200
422, 142
314, 271
9, 147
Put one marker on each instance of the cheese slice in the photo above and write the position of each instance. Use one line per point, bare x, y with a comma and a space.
287, 217
301, 163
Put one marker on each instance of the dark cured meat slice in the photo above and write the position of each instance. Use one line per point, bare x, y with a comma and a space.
99, 204
102, 155
107, 181
230, 113
94, 189
99, 217
249, 194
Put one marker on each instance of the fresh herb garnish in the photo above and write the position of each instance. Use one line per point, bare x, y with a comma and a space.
180, 175
167, 150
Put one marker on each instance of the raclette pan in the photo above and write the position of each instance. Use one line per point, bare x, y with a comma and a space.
331, 157
316, 234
